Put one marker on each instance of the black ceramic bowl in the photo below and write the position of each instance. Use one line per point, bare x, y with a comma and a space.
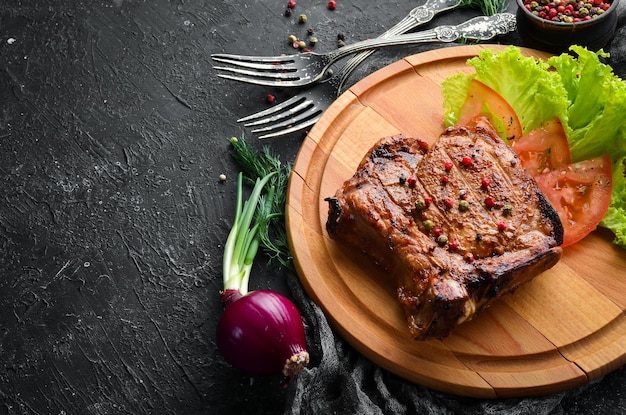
556, 37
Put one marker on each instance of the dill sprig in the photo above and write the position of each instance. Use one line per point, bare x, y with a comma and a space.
270, 213
488, 7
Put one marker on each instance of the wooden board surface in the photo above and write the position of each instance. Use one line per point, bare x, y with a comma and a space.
565, 328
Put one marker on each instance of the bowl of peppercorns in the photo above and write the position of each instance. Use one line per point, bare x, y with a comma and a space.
555, 25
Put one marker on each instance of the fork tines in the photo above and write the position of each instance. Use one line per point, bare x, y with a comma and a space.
255, 69
292, 115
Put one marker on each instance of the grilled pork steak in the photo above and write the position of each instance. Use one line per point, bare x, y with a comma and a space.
457, 225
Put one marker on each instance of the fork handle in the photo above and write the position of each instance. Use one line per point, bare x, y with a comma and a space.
418, 16
476, 29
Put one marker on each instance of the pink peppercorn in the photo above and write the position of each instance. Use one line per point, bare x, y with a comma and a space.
502, 226
291, 4
466, 161
332, 5
448, 165
490, 201
270, 98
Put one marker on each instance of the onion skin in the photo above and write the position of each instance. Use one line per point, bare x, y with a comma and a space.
262, 333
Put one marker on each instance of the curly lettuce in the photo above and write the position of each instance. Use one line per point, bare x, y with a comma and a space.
615, 218
578, 88
535, 93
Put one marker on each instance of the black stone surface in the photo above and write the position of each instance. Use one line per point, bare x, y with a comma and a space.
113, 129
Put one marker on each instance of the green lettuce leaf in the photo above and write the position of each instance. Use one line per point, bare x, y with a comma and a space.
578, 88
535, 93
615, 218
596, 124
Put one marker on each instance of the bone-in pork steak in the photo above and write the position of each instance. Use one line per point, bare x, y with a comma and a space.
457, 225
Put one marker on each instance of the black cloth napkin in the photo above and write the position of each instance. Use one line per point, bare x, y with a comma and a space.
340, 380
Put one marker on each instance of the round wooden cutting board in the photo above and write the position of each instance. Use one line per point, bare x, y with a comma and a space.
565, 328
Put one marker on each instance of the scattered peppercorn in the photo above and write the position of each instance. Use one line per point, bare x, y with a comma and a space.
332, 5
448, 165
479, 237
485, 182
301, 44
402, 179
507, 209
292, 38
490, 201
442, 240
444, 179
222, 178
502, 226
428, 225
302, 18
291, 4
437, 232
341, 36
341, 43
466, 161
420, 204
469, 257
288, 12
312, 41
462, 194
463, 205
309, 31
448, 202
453, 245
411, 181
428, 200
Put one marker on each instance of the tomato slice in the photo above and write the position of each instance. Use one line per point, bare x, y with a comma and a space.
482, 100
580, 193
543, 149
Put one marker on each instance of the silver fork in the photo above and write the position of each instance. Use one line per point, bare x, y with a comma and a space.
305, 108
307, 68
418, 16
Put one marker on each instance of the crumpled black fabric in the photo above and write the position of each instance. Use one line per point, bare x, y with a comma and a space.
340, 381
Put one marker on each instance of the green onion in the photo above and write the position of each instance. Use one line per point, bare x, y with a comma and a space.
242, 243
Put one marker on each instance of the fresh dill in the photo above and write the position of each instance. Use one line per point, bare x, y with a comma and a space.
270, 213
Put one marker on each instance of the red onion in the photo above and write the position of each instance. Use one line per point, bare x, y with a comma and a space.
262, 333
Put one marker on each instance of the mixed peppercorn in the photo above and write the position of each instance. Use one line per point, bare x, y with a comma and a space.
567, 11
423, 203
297, 43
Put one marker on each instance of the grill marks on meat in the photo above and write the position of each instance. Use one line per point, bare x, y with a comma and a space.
490, 249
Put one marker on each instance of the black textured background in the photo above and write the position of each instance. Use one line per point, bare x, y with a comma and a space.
113, 130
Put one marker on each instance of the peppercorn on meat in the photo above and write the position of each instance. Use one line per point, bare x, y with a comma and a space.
457, 225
